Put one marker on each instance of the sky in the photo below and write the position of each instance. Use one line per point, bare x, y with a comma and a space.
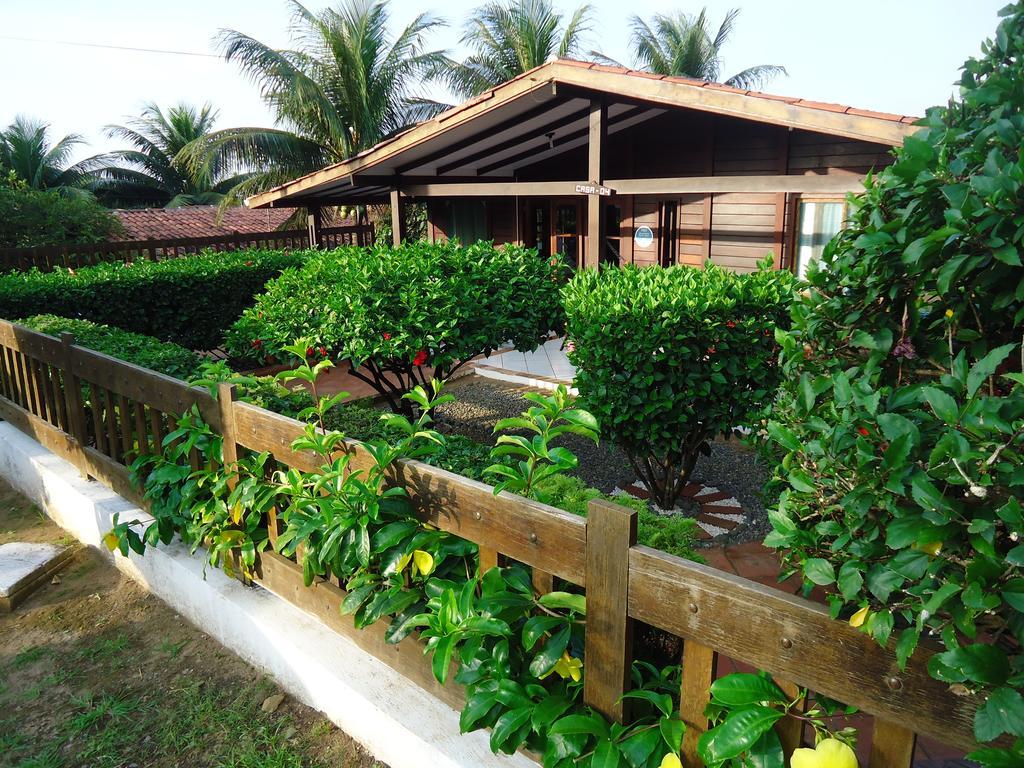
890, 55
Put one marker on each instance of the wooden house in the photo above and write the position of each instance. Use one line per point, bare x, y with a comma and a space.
608, 165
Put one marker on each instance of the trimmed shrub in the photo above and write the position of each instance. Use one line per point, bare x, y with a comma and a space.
398, 311
188, 301
669, 359
131, 347
903, 413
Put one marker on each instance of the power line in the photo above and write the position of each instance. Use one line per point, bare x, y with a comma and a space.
110, 47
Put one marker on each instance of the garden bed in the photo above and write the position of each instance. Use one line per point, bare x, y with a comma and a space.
732, 466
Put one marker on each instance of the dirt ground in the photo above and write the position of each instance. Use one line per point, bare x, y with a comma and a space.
96, 672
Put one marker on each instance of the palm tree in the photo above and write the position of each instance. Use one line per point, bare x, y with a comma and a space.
26, 150
343, 88
509, 38
682, 45
150, 174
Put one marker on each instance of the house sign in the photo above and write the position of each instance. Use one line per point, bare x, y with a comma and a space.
593, 189
643, 237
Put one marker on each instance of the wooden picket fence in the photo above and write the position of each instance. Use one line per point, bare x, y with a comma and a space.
99, 413
75, 255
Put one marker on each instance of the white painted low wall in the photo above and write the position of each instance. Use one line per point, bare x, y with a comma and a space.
398, 722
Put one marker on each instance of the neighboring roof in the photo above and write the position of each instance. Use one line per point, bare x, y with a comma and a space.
196, 221
524, 94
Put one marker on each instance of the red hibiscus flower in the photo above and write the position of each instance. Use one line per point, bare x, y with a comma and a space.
323, 352
257, 343
309, 351
386, 335
730, 324
711, 350
421, 358
248, 263
864, 431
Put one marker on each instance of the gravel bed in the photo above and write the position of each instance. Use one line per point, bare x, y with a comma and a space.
732, 467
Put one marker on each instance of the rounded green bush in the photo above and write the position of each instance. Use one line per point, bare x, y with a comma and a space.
145, 351
669, 359
188, 301
398, 311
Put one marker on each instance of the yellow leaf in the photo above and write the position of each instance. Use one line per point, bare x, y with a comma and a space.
402, 562
671, 760
931, 548
110, 540
422, 562
858, 618
236, 513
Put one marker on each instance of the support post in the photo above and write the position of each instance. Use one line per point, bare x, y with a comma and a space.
73, 398
314, 225
397, 218
595, 171
611, 531
698, 674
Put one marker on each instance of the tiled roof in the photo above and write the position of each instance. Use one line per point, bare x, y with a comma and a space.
823, 105
196, 221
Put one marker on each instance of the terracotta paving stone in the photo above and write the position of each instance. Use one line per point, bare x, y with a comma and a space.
708, 498
691, 489
718, 522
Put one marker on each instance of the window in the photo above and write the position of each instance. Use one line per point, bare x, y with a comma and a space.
567, 234
819, 221
611, 253
469, 221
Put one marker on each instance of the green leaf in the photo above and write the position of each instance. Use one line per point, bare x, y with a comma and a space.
589, 724
551, 652
945, 407
737, 734
819, 571
606, 755
640, 746
986, 367
565, 601
742, 688
672, 731
1002, 712
979, 663
802, 481
506, 727
784, 436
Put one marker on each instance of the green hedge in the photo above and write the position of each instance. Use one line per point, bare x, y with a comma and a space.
189, 301
135, 348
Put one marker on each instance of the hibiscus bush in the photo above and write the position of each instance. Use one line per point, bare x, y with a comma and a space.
401, 316
903, 414
669, 359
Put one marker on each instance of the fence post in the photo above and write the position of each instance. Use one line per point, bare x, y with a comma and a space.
892, 746
611, 531
694, 695
73, 399
226, 396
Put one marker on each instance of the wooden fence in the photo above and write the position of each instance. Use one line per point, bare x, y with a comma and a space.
99, 412
48, 257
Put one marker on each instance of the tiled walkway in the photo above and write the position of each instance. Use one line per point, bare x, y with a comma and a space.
544, 368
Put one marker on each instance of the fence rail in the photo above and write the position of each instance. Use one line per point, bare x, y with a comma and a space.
99, 412
75, 255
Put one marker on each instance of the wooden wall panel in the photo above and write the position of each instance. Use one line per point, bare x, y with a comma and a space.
691, 230
817, 152
645, 213
743, 229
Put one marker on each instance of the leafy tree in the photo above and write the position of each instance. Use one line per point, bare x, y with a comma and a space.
508, 38
682, 45
30, 217
345, 86
151, 174
26, 149
902, 419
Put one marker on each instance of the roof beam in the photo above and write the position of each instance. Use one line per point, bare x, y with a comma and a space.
831, 184
561, 141
536, 133
512, 122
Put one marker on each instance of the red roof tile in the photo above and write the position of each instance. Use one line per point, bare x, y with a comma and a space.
197, 221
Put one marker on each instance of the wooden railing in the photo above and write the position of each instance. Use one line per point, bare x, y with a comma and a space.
98, 413
49, 257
